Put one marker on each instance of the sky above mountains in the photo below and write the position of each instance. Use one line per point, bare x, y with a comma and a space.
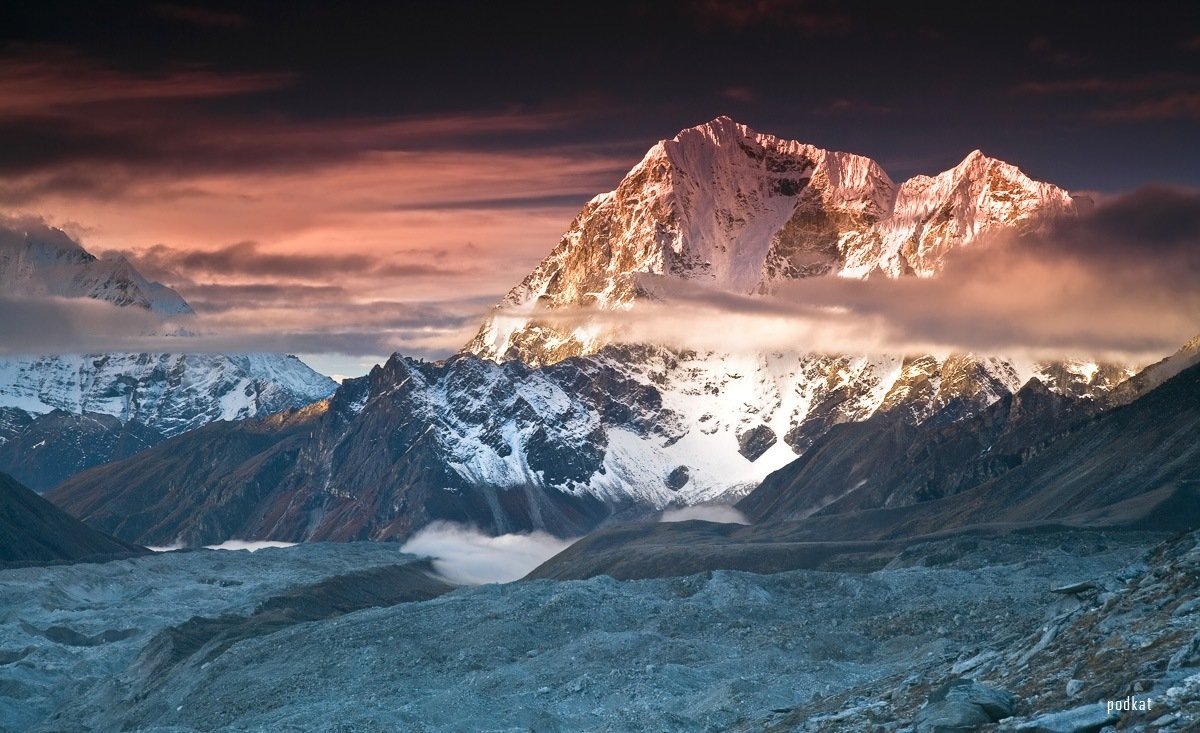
393, 168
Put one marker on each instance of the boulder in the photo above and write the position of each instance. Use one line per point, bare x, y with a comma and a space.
1085, 719
963, 705
1187, 656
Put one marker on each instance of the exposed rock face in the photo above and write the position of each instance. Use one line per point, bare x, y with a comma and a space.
726, 207
505, 446
962, 706
32, 530
541, 428
170, 393
887, 461
47, 449
1033, 455
384, 456
164, 394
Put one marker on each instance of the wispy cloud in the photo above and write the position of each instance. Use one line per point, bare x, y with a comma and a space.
469, 557
740, 94
1142, 84
1121, 283
54, 83
854, 107
1157, 96
720, 513
248, 260
1184, 105
1043, 48
243, 212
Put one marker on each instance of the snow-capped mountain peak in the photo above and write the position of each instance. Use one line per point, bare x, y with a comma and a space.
168, 392
730, 208
36, 259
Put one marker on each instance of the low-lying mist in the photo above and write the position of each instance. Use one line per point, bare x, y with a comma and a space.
720, 513
467, 556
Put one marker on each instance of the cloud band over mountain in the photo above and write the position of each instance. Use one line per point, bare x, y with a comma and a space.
1122, 281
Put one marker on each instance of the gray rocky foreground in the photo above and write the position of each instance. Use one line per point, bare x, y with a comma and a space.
973, 622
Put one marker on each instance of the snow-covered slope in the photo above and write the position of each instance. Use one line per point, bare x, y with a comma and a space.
509, 447
170, 393
533, 427
726, 207
39, 260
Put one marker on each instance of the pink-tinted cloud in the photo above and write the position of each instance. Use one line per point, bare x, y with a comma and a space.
1121, 283
200, 197
739, 94
854, 107
301, 235
50, 81
1122, 85
1183, 105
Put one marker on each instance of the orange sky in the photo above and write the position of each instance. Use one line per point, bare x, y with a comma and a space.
329, 225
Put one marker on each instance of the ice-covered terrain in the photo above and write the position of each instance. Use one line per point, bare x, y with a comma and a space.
709, 652
65, 628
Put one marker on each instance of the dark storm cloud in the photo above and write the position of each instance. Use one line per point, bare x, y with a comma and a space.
1177, 105
1109, 85
205, 95
72, 124
1150, 97
1051, 52
847, 107
199, 16
335, 132
43, 82
805, 16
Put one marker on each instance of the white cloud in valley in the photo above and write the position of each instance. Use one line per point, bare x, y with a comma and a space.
466, 556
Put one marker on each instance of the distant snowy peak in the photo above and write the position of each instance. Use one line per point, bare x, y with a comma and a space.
36, 259
725, 206
934, 215
170, 393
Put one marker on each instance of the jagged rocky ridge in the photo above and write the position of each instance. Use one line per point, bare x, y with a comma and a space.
542, 449
733, 209
43, 450
1029, 457
866, 491
563, 444
150, 395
